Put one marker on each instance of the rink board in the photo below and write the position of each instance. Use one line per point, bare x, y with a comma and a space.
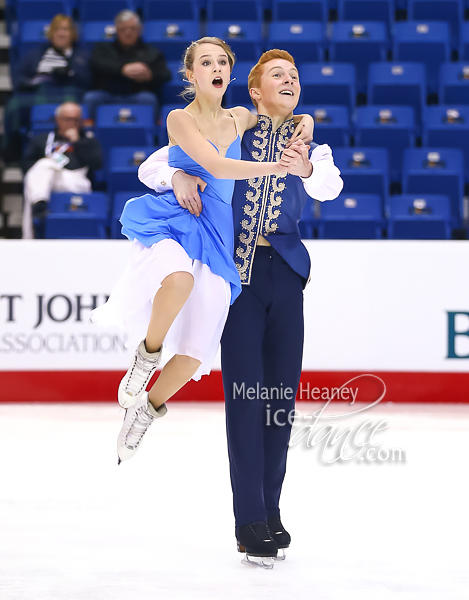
396, 310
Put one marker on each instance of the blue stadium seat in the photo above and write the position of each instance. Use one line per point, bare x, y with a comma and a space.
352, 216
227, 10
97, 31
123, 167
102, 10
309, 220
412, 217
244, 37
118, 204
327, 83
154, 10
364, 170
435, 171
43, 118
304, 40
31, 35
398, 84
423, 42
454, 83
121, 125
302, 10
38, 10
77, 216
451, 11
238, 92
390, 126
369, 10
447, 127
464, 41
360, 43
171, 37
173, 88
331, 124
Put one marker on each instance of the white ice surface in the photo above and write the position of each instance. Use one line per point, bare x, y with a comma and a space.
75, 526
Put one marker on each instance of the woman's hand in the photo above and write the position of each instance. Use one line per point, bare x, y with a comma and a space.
304, 131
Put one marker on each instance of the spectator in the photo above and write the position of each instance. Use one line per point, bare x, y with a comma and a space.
53, 73
126, 70
59, 161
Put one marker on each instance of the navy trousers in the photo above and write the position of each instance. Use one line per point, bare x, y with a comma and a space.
261, 353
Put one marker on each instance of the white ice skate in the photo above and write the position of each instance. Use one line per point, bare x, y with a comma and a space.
137, 420
141, 370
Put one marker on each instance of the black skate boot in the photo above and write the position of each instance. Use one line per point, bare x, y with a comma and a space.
255, 539
281, 536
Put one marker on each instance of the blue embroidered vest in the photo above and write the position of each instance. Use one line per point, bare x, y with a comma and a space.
270, 206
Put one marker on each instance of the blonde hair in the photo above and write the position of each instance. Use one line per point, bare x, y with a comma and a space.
254, 79
57, 22
188, 61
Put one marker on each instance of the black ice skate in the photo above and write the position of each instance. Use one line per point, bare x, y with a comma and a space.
281, 536
257, 542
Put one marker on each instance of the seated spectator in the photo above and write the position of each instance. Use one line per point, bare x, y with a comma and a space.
59, 161
126, 70
51, 74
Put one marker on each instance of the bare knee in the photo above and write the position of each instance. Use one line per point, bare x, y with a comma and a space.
187, 364
180, 282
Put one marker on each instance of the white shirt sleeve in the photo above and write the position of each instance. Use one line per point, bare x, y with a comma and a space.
325, 182
155, 172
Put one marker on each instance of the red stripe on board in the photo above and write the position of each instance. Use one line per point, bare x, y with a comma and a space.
101, 386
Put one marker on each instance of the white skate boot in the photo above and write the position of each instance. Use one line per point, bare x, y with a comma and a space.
141, 370
137, 420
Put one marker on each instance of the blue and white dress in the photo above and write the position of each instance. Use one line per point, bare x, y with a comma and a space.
168, 238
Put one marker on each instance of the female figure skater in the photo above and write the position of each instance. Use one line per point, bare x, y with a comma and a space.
181, 276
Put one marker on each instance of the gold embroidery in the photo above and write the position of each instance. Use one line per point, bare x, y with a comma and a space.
263, 133
273, 211
261, 214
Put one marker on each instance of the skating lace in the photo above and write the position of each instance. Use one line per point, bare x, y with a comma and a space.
261, 530
142, 421
143, 368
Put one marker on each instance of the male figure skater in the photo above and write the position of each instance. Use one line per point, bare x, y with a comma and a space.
262, 344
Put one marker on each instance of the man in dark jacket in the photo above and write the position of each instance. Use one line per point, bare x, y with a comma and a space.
58, 161
126, 70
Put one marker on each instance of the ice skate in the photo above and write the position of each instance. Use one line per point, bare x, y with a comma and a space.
256, 541
281, 536
141, 370
137, 420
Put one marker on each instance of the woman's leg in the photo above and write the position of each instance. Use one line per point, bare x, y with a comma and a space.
174, 375
169, 299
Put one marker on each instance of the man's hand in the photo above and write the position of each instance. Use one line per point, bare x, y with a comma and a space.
138, 71
304, 131
72, 134
296, 161
186, 189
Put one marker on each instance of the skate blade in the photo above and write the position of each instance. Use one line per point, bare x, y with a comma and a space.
283, 556
265, 562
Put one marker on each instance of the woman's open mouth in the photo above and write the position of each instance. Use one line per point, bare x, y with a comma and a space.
218, 82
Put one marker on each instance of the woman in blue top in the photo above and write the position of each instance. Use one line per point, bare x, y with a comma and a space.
181, 276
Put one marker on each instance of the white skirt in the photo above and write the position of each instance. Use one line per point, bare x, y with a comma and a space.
198, 327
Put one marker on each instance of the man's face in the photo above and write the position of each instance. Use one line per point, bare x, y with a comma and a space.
279, 89
69, 118
128, 32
